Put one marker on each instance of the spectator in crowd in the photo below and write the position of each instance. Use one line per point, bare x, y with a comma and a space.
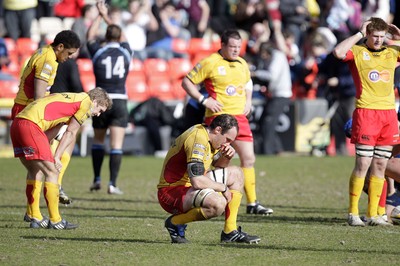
273, 72
4, 61
34, 149
81, 26
45, 8
227, 80
68, 8
197, 183
111, 66
374, 119
249, 12
259, 34
295, 18
198, 12
170, 27
138, 20
18, 17
221, 17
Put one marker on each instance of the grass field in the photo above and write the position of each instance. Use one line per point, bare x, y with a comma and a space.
308, 195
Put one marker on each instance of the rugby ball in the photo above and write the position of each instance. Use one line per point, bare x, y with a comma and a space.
395, 215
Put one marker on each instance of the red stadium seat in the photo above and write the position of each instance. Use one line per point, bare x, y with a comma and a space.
85, 65
179, 67
177, 90
88, 81
161, 88
26, 46
154, 67
9, 88
136, 66
180, 45
136, 88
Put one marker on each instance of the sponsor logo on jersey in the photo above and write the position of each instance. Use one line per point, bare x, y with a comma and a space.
375, 75
222, 70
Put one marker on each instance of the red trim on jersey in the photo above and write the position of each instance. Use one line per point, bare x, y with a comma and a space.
57, 110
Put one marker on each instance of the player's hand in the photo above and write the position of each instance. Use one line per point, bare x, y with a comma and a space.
227, 151
213, 105
394, 31
58, 164
228, 195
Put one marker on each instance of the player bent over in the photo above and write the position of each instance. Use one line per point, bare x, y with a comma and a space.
31, 144
197, 183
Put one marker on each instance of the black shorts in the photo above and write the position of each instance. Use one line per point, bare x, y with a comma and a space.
116, 116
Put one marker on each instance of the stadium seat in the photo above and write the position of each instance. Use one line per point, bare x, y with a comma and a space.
26, 47
13, 68
50, 26
88, 81
155, 67
67, 23
11, 46
9, 88
177, 89
84, 65
137, 89
161, 88
136, 66
180, 45
201, 45
179, 67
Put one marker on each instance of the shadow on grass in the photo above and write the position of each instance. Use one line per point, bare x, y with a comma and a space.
88, 239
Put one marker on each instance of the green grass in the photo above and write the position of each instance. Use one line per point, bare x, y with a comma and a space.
308, 195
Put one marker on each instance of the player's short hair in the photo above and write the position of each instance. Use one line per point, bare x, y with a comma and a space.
101, 96
68, 38
230, 33
377, 24
226, 122
113, 33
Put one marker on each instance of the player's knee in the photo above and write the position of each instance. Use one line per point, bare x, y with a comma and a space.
216, 206
236, 176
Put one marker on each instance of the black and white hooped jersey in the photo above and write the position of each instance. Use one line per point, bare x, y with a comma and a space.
111, 66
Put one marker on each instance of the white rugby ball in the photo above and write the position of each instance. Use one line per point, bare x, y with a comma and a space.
395, 215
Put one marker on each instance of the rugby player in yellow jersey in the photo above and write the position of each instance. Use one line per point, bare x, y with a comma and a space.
31, 145
197, 183
374, 127
38, 76
226, 77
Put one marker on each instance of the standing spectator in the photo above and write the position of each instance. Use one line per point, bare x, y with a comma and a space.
30, 132
221, 17
45, 8
111, 66
249, 12
138, 20
197, 183
295, 18
273, 71
227, 80
198, 12
81, 26
18, 17
69, 8
375, 126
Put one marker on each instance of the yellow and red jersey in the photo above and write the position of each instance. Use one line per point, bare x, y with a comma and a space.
58, 108
42, 65
373, 74
193, 145
224, 80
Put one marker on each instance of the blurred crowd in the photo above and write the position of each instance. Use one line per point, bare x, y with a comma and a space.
305, 31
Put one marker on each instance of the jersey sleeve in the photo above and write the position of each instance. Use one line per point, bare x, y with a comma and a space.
84, 111
200, 71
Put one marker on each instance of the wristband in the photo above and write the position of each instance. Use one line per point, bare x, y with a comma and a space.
362, 34
203, 102
201, 99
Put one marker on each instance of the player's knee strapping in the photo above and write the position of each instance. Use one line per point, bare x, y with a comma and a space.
382, 153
